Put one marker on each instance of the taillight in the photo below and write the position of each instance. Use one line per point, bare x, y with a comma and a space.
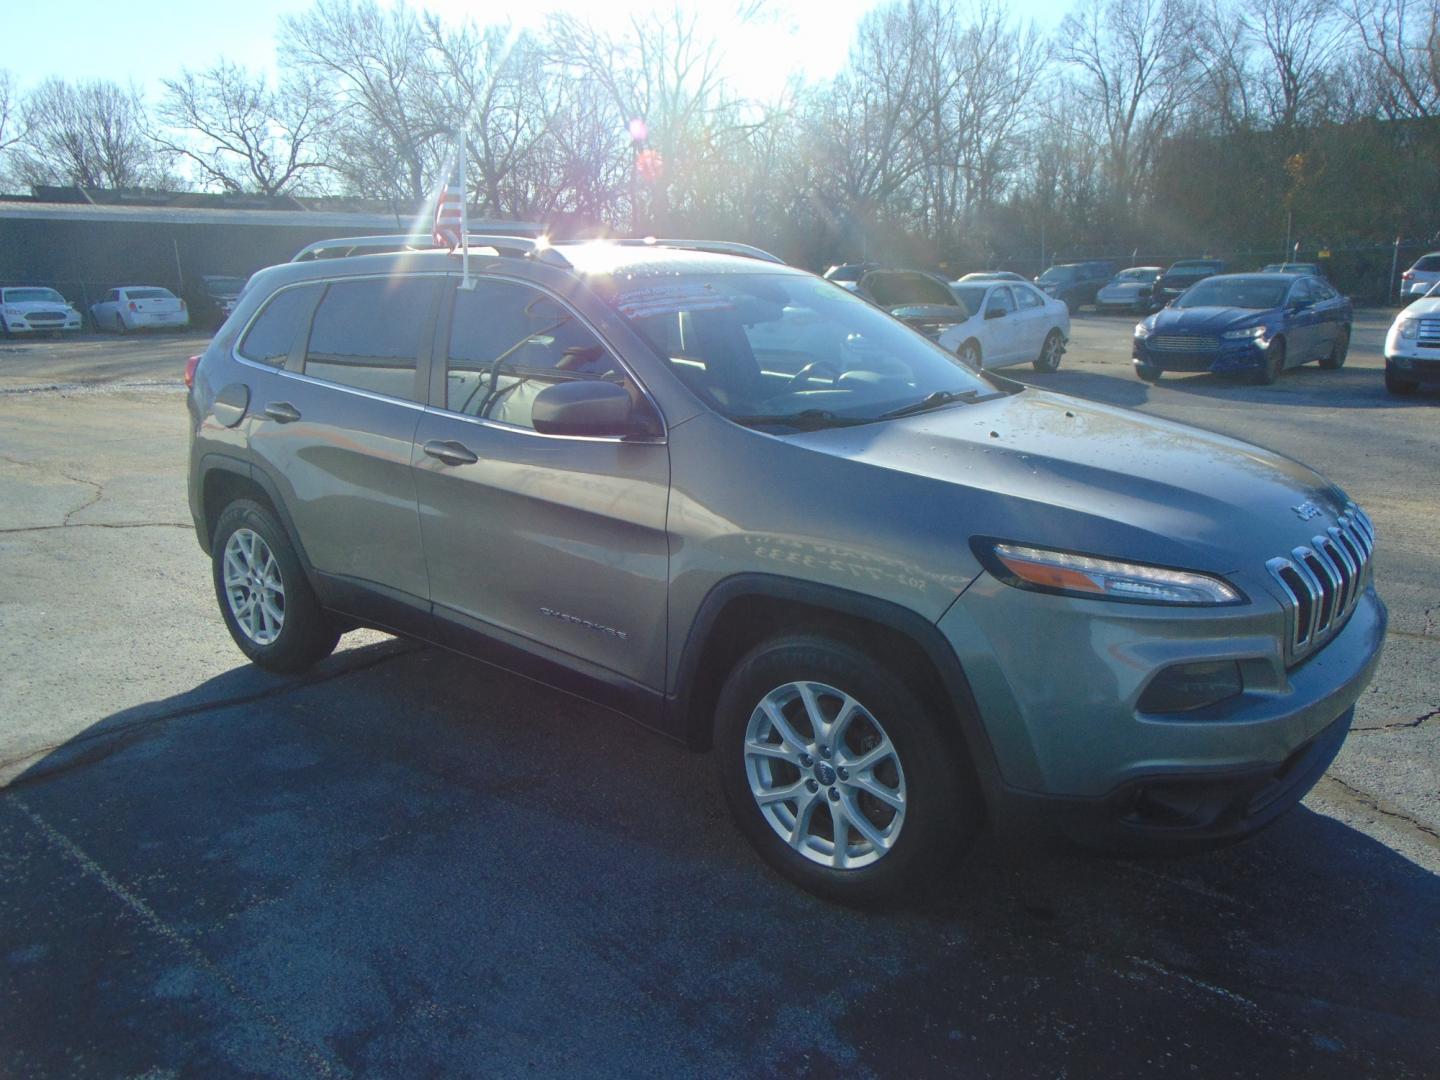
133, 307
182, 305
190, 366
1407, 275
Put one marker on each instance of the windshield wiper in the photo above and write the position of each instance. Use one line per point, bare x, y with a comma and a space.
938, 399
806, 418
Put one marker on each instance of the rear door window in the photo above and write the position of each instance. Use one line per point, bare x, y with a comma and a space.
367, 334
272, 335
1000, 300
1028, 297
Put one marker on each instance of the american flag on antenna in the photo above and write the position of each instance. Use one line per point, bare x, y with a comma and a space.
449, 228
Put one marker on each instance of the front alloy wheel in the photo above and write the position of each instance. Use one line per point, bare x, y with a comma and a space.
844, 777
825, 775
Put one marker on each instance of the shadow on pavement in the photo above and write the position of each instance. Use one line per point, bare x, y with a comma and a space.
422, 866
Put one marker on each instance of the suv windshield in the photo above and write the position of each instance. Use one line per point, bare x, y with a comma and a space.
1141, 274
224, 286
786, 350
32, 296
1057, 274
1253, 293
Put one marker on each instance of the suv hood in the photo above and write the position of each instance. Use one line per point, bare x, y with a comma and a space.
1051, 470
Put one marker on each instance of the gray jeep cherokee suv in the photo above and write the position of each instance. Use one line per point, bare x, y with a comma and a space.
895, 597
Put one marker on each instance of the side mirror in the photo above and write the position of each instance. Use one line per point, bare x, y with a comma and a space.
995, 313
585, 407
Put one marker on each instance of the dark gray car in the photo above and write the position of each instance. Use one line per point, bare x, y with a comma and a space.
897, 598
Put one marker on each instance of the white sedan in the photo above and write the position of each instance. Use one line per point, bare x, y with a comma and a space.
35, 310
138, 307
1412, 347
1010, 322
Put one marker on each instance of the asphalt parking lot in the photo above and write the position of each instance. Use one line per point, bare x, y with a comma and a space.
409, 864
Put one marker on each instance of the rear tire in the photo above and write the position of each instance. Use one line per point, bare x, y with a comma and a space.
264, 595
793, 769
1338, 352
1050, 352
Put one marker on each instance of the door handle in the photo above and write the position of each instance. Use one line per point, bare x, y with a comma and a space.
282, 412
451, 453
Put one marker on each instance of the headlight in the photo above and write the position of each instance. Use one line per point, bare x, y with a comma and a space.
1141, 330
1071, 574
1244, 335
1409, 328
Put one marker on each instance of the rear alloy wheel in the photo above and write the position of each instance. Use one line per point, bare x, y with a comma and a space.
969, 354
265, 598
1338, 351
1271, 364
837, 773
1050, 352
1397, 385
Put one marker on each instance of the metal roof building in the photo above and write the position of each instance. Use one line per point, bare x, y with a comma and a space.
85, 242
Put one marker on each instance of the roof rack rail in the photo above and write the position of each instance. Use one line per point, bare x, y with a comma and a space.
340, 247
537, 248
713, 247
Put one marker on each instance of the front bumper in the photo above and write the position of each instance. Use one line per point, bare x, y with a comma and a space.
1231, 357
1414, 364
22, 324
1057, 684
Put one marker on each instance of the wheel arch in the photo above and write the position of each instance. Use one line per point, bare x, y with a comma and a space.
224, 480
744, 610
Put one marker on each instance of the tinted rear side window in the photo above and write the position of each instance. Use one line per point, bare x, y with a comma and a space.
271, 336
1427, 264
366, 334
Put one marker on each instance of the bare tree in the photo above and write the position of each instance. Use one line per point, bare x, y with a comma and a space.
390, 129
241, 134
93, 134
1137, 67
1299, 40
1400, 42
12, 128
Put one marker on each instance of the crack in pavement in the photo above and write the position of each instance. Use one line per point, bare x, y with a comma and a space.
1398, 724
1376, 805
102, 525
95, 497
1415, 635
109, 740
319, 1059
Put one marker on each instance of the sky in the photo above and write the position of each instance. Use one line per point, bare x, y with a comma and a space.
144, 45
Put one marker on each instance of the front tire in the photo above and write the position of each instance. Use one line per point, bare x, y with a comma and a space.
120, 327
1273, 364
1149, 373
969, 354
265, 598
838, 773
1338, 352
1050, 352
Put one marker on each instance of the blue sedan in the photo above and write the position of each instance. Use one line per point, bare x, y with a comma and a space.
1251, 324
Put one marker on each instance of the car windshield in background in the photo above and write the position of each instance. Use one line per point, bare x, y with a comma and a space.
224, 286
971, 296
148, 294
33, 296
1255, 293
789, 351
1057, 274
1135, 275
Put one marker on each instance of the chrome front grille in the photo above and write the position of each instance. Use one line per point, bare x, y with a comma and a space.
1323, 580
1183, 343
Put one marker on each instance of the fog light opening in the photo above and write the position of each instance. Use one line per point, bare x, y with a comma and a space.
1187, 687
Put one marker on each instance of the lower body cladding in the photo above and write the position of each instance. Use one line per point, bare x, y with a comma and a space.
1230, 358
1070, 694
